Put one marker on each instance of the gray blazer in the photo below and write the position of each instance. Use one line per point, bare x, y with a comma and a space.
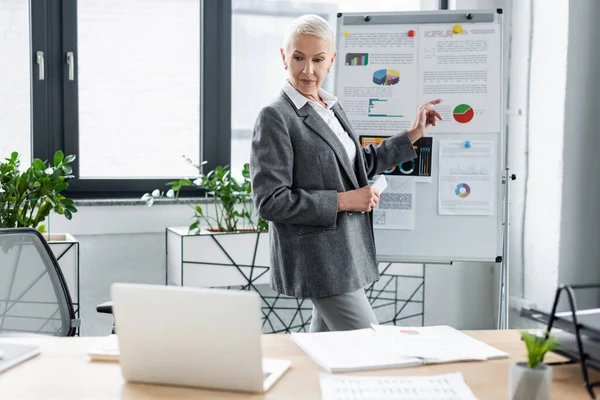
297, 168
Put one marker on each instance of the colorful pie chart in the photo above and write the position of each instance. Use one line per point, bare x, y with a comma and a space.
462, 190
463, 113
386, 77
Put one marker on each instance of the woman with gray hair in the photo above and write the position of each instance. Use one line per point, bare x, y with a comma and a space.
310, 180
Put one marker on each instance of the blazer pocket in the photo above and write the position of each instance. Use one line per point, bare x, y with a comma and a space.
313, 230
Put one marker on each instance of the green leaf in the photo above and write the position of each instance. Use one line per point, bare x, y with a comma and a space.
70, 158
59, 156
42, 228
60, 187
537, 347
39, 164
67, 169
68, 214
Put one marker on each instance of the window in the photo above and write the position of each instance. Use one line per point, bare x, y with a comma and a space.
129, 87
139, 88
258, 28
15, 88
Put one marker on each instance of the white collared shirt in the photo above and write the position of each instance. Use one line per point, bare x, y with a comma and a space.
326, 113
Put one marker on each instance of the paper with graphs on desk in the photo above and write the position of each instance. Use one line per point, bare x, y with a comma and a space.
384, 346
436, 387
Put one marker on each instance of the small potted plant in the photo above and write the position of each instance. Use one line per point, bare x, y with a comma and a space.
226, 243
532, 380
27, 197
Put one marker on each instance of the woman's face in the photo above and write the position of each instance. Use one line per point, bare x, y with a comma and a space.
309, 59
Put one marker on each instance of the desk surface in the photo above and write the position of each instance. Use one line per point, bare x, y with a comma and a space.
64, 371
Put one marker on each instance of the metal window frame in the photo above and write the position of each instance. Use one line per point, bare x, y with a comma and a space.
55, 121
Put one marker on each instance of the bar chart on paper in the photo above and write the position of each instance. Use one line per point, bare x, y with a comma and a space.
355, 59
383, 108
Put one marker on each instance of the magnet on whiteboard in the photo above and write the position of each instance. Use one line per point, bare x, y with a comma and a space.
468, 144
457, 29
346, 33
411, 33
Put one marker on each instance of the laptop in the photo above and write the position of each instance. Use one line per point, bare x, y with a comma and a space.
208, 338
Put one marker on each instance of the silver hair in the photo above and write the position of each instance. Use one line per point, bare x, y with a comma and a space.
308, 25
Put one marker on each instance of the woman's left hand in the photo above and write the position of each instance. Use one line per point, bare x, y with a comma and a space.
426, 116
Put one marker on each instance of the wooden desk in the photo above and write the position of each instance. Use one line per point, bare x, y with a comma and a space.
64, 371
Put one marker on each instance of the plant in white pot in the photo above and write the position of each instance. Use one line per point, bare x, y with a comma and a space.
532, 380
227, 243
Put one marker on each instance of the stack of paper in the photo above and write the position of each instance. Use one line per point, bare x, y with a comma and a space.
392, 347
356, 350
439, 387
436, 344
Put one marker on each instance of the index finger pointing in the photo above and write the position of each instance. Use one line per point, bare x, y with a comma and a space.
436, 101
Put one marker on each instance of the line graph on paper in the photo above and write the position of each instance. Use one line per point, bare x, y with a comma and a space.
471, 169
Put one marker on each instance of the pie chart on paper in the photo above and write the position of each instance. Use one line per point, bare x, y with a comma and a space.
463, 113
462, 190
386, 77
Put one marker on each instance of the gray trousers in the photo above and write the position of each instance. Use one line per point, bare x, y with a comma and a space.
342, 312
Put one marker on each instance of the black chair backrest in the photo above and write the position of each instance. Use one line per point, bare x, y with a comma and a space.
34, 297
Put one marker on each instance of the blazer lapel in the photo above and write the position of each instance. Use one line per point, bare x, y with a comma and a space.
341, 116
320, 127
314, 121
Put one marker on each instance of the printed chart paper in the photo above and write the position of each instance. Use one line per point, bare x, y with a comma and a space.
437, 387
379, 68
396, 207
463, 70
419, 168
467, 177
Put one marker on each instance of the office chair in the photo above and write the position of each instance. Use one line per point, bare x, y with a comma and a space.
34, 297
106, 308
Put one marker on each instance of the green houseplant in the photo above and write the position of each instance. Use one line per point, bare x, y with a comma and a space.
532, 380
27, 197
226, 244
234, 210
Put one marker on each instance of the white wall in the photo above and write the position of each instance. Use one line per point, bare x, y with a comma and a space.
546, 134
580, 225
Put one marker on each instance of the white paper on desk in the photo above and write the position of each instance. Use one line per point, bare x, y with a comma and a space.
350, 351
436, 344
107, 349
437, 387
467, 177
396, 207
